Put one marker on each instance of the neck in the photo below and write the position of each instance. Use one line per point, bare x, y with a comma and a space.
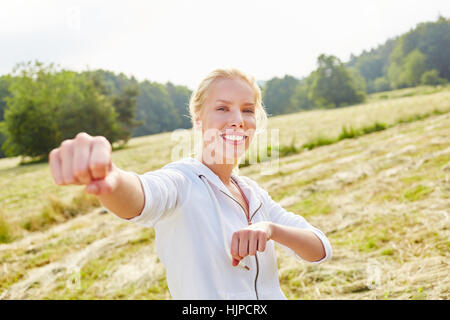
222, 170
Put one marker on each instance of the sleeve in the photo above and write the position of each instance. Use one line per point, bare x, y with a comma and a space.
165, 190
279, 215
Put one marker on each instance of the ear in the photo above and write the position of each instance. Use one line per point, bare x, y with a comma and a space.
198, 121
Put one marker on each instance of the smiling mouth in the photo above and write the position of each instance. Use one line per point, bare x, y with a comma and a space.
234, 139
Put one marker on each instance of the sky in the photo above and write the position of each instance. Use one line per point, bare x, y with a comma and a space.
182, 41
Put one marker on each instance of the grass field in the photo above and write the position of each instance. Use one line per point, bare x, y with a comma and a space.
382, 198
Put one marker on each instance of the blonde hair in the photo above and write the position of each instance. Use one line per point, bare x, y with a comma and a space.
199, 96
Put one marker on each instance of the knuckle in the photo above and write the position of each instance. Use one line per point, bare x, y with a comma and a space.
53, 154
243, 233
65, 145
102, 140
82, 137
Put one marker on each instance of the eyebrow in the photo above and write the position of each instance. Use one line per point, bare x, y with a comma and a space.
244, 104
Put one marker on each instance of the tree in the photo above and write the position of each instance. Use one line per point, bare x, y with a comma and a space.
300, 99
381, 84
432, 78
424, 48
433, 40
4, 92
47, 106
125, 104
155, 109
373, 64
332, 84
277, 94
414, 67
180, 96
123, 93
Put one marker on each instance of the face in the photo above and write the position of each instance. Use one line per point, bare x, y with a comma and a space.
227, 120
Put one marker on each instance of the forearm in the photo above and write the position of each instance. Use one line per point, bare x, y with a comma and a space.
303, 242
127, 200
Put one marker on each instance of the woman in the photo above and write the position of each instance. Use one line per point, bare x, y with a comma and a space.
213, 227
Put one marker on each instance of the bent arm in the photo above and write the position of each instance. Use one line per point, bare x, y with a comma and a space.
303, 242
127, 200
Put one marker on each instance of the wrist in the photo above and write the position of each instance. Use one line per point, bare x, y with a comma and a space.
272, 230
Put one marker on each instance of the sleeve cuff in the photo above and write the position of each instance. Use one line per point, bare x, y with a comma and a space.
326, 246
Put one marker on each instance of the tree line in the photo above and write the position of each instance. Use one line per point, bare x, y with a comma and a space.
420, 56
41, 105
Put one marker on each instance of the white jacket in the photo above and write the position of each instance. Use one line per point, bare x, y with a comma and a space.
194, 216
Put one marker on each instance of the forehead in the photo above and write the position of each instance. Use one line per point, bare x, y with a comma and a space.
234, 90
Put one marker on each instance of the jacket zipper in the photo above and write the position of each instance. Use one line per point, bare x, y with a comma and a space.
256, 254
256, 258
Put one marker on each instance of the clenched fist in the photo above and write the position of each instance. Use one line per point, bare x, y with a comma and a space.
85, 160
249, 240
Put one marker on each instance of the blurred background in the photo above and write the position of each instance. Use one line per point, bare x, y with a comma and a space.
359, 92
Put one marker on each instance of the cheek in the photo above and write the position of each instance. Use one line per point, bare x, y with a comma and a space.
251, 121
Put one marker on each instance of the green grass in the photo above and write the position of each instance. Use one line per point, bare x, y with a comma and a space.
417, 193
377, 126
407, 92
5, 230
58, 211
282, 150
395, 232
314, 204
318, 142
51, 251
347, 132
293, 186
99, 269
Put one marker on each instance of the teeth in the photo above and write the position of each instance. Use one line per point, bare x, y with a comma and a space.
235, 138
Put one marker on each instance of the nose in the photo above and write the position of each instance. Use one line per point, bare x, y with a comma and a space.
235, 118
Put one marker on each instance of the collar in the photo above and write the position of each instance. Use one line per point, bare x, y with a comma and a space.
201, 169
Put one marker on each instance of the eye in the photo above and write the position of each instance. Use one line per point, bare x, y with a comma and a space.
249, 110
221, 108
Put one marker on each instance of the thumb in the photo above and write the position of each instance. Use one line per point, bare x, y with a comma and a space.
235, 262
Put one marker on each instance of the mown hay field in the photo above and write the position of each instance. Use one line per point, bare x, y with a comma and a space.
382, 198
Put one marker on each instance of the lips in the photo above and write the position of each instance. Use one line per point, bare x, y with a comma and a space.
234, 138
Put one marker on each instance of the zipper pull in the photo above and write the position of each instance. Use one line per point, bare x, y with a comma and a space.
243, 265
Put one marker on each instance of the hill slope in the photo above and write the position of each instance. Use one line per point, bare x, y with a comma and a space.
383, 200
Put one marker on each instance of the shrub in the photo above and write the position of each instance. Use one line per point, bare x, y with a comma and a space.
432, 78
57, 211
